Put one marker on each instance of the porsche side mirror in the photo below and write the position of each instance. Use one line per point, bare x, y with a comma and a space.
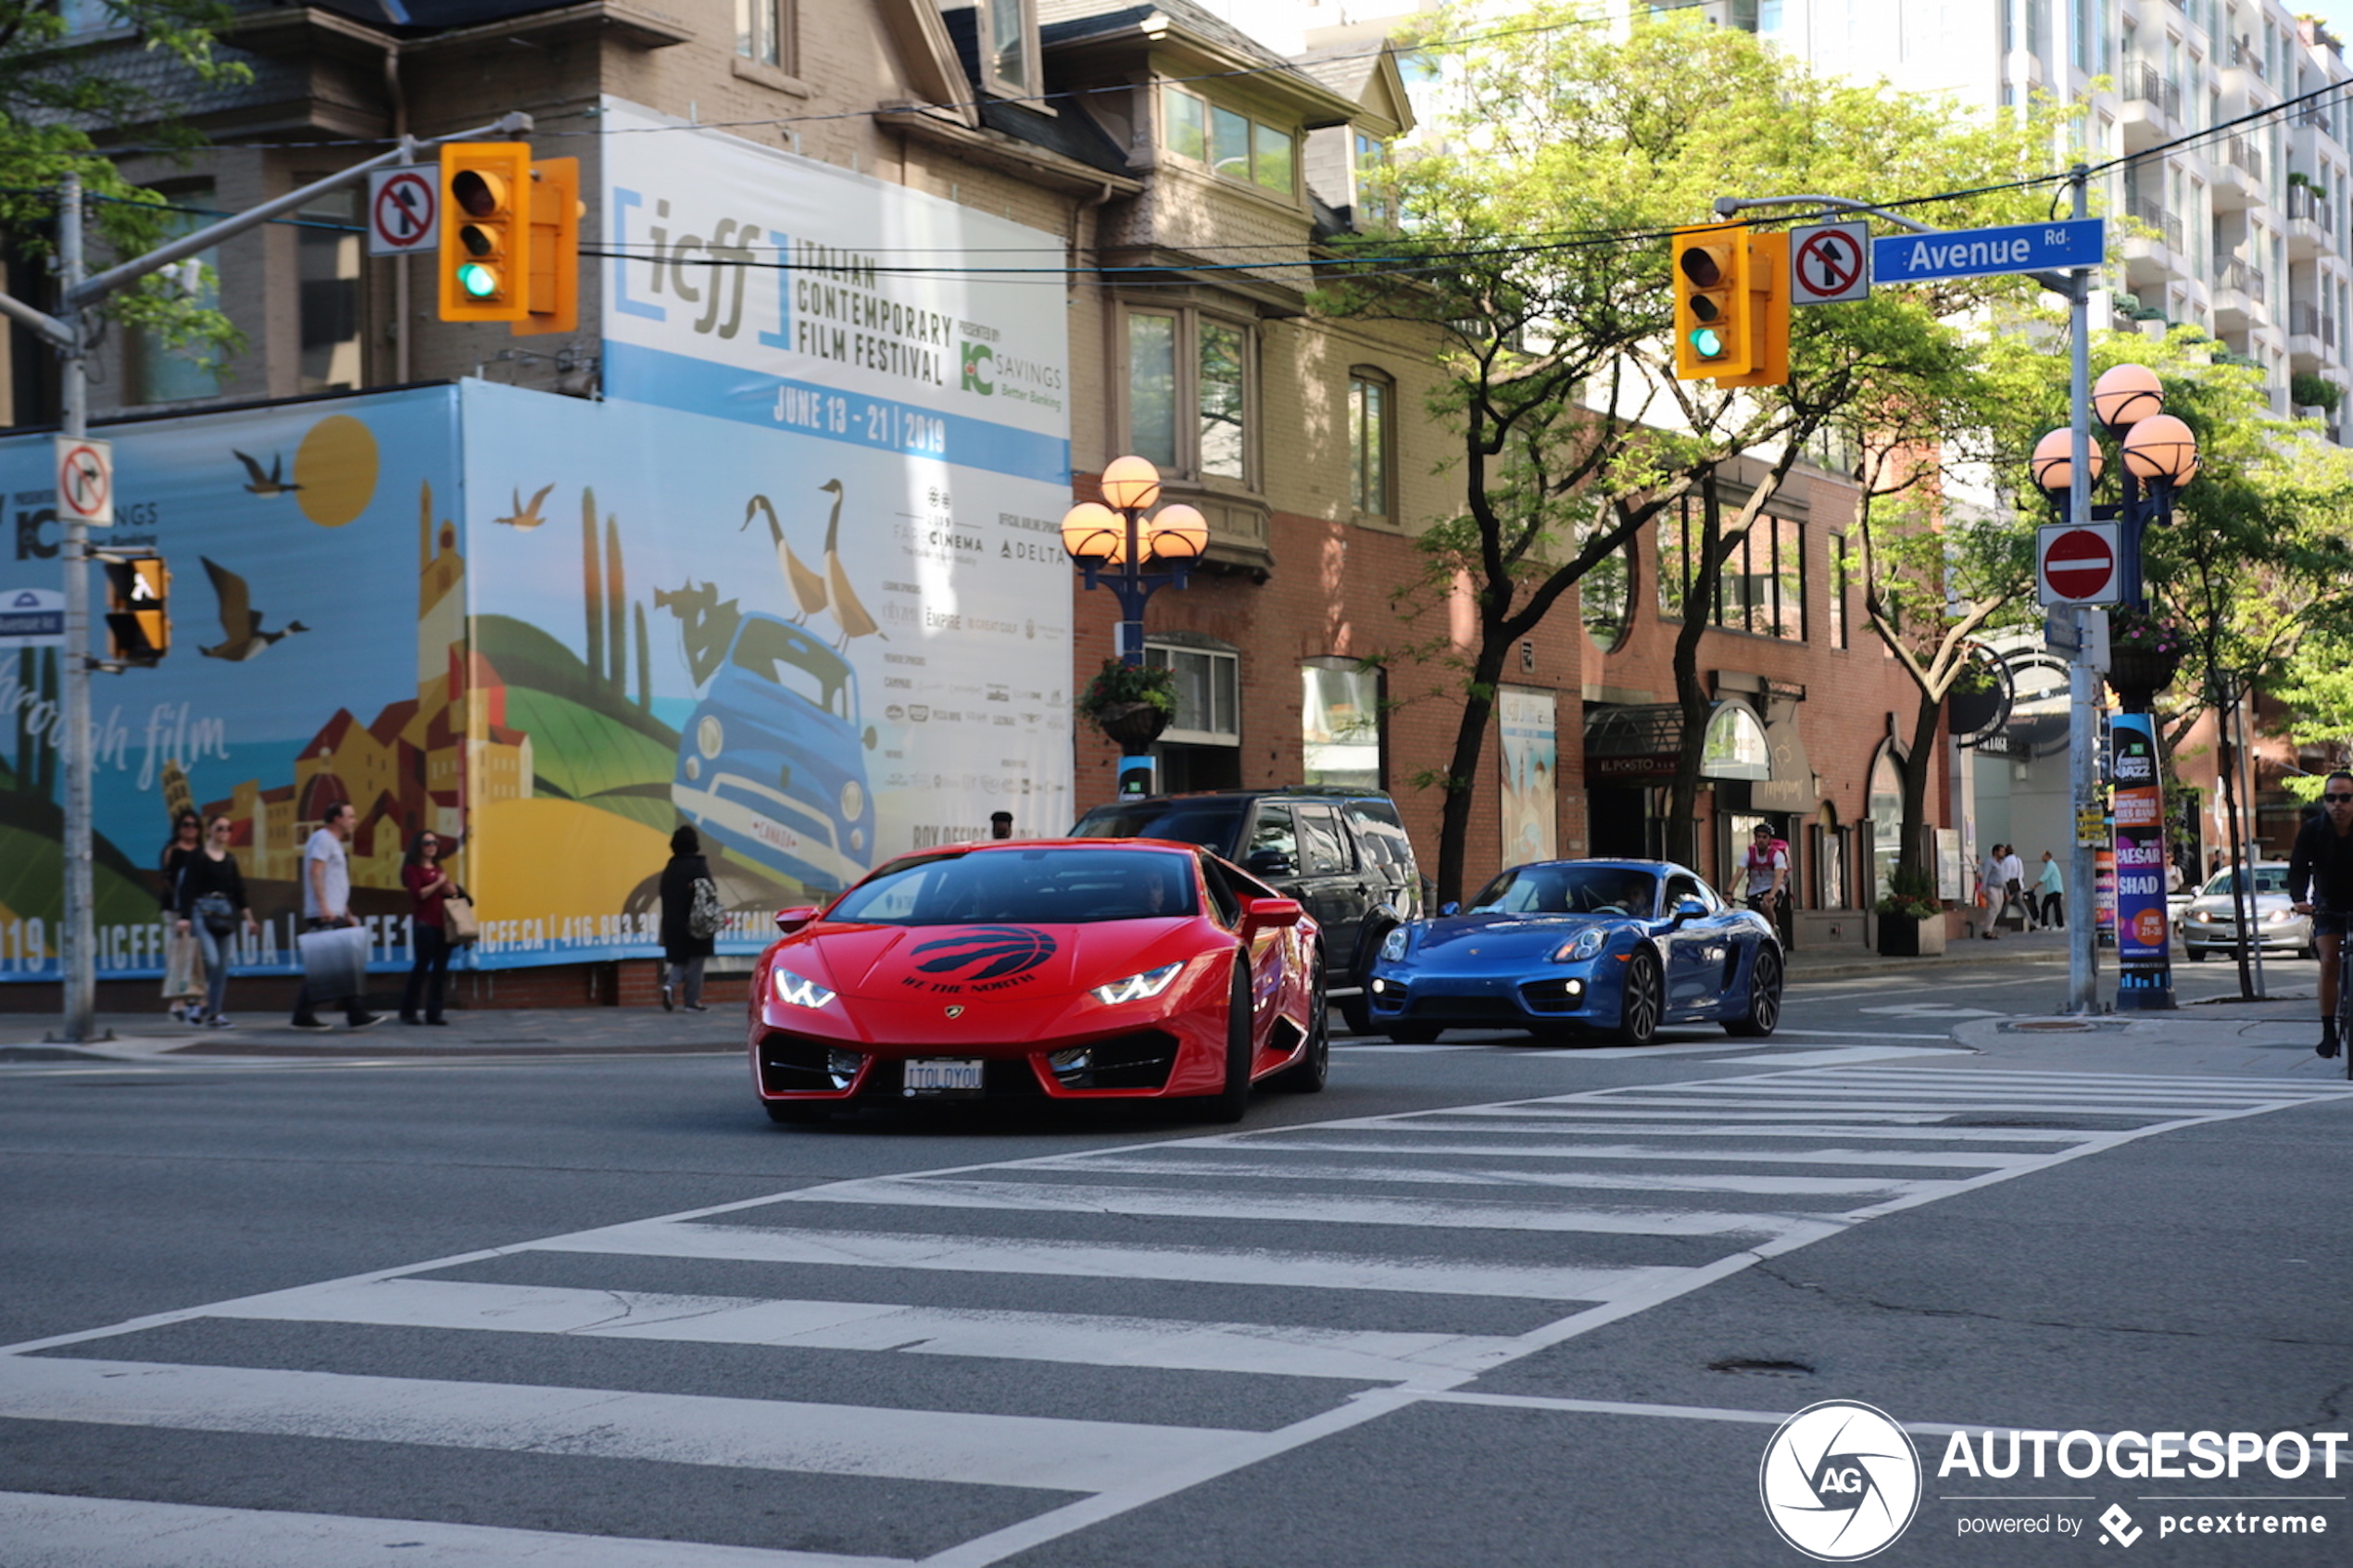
1689, 908
790, 921
1450, 907
1270, 913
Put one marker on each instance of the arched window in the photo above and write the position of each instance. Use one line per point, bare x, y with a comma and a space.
1884, 808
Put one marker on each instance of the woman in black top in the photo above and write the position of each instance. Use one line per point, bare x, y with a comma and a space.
183, 982
683, 951
210, 906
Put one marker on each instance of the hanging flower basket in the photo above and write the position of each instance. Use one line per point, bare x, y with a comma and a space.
1130, 704
2145, 653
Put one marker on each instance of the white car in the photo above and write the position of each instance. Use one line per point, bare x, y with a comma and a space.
2210, 923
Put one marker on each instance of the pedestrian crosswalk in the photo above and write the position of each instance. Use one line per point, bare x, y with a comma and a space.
1004, 1352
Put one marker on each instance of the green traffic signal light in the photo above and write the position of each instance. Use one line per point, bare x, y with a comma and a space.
479, 281
1708, 344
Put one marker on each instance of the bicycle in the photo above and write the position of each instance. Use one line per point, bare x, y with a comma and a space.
2344, 1003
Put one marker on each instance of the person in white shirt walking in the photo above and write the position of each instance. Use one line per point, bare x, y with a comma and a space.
326, 905
2014, 887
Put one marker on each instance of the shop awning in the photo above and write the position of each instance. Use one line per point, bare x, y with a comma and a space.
1643, 743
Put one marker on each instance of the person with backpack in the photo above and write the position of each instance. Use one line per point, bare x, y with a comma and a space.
1765, 864
691, 916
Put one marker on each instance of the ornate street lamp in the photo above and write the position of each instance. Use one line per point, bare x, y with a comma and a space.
1114, 543
2159, 457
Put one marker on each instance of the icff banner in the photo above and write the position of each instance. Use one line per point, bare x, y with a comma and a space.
2138, 805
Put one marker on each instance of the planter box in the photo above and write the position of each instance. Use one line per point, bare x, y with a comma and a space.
1902, 938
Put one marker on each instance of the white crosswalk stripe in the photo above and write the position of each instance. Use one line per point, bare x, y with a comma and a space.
1313, 1234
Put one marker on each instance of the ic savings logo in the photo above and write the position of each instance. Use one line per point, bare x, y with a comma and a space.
1839, 1481
983, 953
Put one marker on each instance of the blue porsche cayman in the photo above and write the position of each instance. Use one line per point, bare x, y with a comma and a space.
1568, 947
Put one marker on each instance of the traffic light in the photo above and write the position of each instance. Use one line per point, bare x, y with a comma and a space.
1768, 314
138, 601
485, 195
552, 276
1710, 279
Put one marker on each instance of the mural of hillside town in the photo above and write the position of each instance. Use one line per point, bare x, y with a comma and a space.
511, 618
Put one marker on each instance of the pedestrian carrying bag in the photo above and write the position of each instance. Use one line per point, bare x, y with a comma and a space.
458, 922
705, 915
219, 915
335, 962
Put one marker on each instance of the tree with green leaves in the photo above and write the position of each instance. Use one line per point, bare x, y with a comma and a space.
1535, 246
61, 89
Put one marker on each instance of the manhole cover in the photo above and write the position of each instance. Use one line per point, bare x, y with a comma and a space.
1761, 1369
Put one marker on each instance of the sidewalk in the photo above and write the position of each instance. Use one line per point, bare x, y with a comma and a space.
501, 1031
1848, 960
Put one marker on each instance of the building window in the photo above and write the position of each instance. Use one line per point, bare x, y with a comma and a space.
1368, 432
1237, 147
1007, 30
1605, 598
1838, 591
1761, 586
157, 370
1208, 694
763, 32
1341, 724
327, 266
1190, 394
1370, 171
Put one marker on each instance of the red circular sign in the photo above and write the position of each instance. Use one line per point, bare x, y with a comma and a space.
1827, 265
2078, 564
403, 211
2149, 927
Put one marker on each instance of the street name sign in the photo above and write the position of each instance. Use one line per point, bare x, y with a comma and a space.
2075, 564
1830, 263
32, 618
1973, 252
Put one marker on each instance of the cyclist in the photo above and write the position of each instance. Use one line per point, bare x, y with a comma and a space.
1767, 865
2321, 866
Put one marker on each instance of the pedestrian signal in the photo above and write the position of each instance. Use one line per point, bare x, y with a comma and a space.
1710, 280
138, 607
552, 269
485, 190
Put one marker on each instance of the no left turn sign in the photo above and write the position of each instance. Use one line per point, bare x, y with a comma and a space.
403, 211
85, 479
1830, 263
2076, 564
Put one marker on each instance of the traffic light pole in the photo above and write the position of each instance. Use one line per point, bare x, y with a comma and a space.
68, 332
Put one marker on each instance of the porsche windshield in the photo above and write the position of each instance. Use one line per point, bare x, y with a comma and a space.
1569, 890
1024, 887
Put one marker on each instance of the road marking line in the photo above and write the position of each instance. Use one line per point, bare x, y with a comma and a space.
1273, 1269
1261, 1171
1640, 1151
912, 1445
1272, 1349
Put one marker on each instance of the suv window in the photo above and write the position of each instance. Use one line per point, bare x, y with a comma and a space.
1322, 841
1208, 824
1272, 834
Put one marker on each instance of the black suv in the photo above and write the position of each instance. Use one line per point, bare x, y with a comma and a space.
1342, 853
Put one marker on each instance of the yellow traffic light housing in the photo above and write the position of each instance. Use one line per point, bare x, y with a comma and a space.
485, 195
552, 273
138, 607
1710, 279
1767, 316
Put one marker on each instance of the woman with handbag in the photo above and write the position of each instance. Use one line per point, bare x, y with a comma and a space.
183, 975
211, 905
430, 887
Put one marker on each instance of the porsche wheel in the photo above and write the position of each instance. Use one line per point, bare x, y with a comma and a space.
1643, 1002
1314, 1068
1228, 1103
1763, 1013
792, 1113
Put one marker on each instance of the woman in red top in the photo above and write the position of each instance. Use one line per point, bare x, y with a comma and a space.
428, 939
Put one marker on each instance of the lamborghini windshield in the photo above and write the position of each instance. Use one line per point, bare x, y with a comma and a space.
1024, 887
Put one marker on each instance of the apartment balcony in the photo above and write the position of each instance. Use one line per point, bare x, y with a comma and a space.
2312, 339
2239, 292
2151, 109
2153, 253
2311, 223
2315, 133
2238, 174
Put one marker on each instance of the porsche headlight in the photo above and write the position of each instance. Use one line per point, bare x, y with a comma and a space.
1137, 987
1393, 947
853, 800
1586, 944
710, 739
799, 990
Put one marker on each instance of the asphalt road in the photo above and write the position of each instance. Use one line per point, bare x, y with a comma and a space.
1481, 1303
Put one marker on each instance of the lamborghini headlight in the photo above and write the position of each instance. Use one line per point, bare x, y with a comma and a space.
1137, 988
799, 990
1586, 944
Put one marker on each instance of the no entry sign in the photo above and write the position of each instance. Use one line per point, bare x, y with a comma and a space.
2076, 563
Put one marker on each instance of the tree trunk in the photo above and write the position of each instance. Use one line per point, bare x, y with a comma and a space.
1703, 593
1461, 773
1917, 852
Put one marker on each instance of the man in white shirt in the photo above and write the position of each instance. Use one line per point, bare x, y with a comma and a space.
326, 903
2014, 886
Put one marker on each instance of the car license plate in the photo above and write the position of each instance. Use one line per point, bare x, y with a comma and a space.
942, 1075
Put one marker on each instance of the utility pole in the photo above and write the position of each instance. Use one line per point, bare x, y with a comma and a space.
69, 332
2082, 680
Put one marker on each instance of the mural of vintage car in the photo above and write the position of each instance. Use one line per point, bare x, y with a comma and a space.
772, 764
